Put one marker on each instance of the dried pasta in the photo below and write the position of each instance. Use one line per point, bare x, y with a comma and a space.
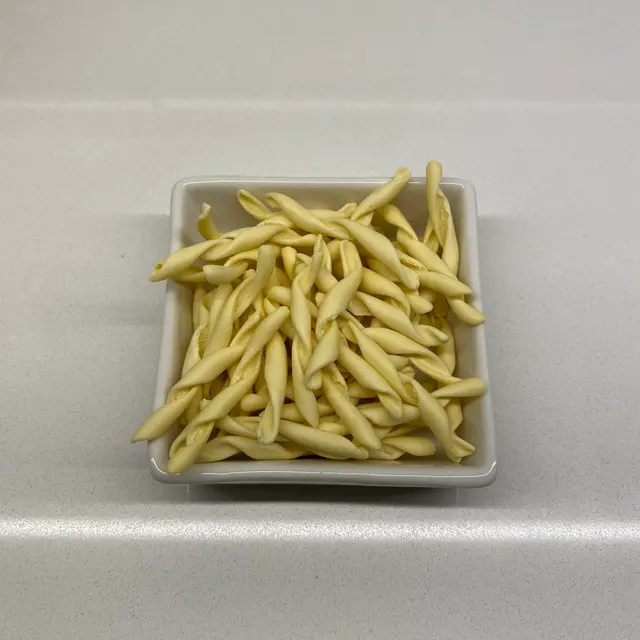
321, 333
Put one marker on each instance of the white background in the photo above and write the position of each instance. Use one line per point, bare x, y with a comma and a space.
104, 105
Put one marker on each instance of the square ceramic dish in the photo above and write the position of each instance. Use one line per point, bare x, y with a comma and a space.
220, 192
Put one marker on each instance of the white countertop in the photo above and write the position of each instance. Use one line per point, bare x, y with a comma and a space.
104, 105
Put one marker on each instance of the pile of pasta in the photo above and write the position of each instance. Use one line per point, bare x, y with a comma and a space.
321, 333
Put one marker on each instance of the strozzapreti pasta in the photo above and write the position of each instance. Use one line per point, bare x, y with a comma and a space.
319, 332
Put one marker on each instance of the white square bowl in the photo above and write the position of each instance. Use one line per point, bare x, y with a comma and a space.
220, 192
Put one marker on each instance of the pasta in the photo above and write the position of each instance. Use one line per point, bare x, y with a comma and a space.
321, 333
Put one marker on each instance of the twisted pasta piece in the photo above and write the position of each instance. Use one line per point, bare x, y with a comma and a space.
290, 411
441, 283
302, 217
434, 368
380, 417
265, 265
397, 343
278, 368
337, 299
434, 175
322, 442
263, 333
368, 377
382, 248
325, 353
383, 194
206, 227
454, 414
197, 304
435, 417
395, 446
421, 252
376, 284
220, 274
224, 447
180, 260
465, 312
360, 427
161, 419
209, 368
379, 360
467, 388
447, 350
305, 399
222, 331
393, 216
253, 206
391, 317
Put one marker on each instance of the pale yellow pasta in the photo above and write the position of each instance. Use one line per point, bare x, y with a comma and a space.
450, 251
255, 401
324, 354
367, 376
220, 274
187, 453
209, 367
435, 369
383, 194
355, 390
253, 206
434, 174
467, 388
376, 284
447, 350
360, 427
289, 259
196, 307
337, 299
161, 420
396, 343
435, 417
301, 316
418, 304
222, 332
229, 397
180, 260
320, 332
440, 283
382, 249
379, 360
278, 370
282, 295
393, 216
379, 416
428, 258
302, 217
390, 316
412, 445
224, 447
454, 414
250, 239
290, 411
322, 442
465, 312
265, 265
206, 227
289, 238
304, 397
262, 334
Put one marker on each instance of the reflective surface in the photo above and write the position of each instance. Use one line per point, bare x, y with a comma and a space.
93, 135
